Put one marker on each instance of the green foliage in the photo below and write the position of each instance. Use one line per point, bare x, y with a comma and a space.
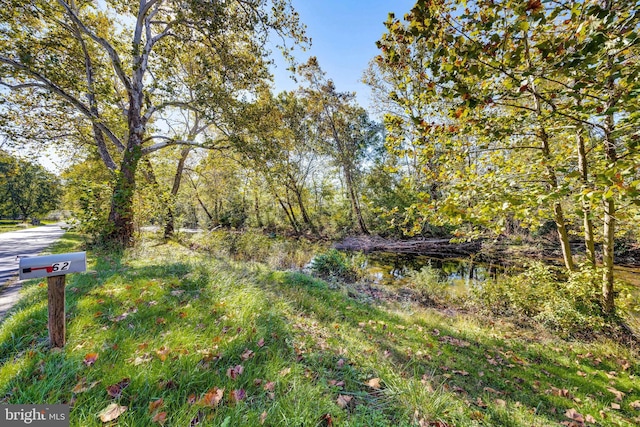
569, 306
429, 285
256, 246
26, 189
335, 265
87, 196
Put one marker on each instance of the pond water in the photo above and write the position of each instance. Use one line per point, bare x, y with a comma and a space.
391, 269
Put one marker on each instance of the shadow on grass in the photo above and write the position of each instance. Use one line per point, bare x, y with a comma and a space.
175, 330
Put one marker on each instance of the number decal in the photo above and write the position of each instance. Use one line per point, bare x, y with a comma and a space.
61, 266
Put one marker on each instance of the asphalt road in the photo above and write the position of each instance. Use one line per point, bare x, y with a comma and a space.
30, 241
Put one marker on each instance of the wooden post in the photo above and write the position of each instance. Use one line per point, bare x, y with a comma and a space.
56, 310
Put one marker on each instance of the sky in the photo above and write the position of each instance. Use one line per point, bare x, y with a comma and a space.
343, 38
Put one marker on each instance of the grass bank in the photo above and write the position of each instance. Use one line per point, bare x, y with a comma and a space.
162, 335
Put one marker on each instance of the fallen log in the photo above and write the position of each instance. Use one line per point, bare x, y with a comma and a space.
433, 247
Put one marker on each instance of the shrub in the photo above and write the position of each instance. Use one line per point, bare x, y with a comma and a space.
568, 305
334, 264
428, 285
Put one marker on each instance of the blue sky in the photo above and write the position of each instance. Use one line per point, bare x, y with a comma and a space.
343, 34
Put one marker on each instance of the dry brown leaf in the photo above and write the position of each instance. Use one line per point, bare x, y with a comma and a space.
115, 390
590, 419
155, 405
619, 395
635, 405
501, 403
343, 400
90, 359
374, 383
261, 342
160, 418
111, 412
574, 415
269, 386
615, 405
234, 372
162, 353
263, 417
238, 395
248, 354
212, 398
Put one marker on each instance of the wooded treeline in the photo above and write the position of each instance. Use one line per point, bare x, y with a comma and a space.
494, 115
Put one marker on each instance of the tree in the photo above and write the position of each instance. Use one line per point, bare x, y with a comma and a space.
27, 189
343, 128
522, 79
115, 80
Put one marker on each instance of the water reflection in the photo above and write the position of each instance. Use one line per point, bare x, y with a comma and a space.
393, 269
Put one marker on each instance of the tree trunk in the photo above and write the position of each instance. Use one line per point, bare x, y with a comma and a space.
355, 206
608, 303
586, 208
291, 219
169, 226
121, 214
558, 215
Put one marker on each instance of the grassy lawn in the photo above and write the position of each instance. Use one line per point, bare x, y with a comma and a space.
161, 335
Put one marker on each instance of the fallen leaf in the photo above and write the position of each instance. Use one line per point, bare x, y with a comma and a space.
115, 390
263, 417
562, 392
285, 372
234, 372
162, 353
238, 395
270, 386
191, 399
454, 341
160, 418
581, 374
248, 354
374, 383
343, 400
177, 292
90, 359
501, 403
635, 405
492, 390
261, 342
463, 373
155, 405
590, 419
327, 420
212, 398
111, 412
82, 386
340, 363
574, 415
619, 395
615, 405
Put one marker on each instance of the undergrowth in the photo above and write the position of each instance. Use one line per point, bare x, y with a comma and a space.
174, 337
